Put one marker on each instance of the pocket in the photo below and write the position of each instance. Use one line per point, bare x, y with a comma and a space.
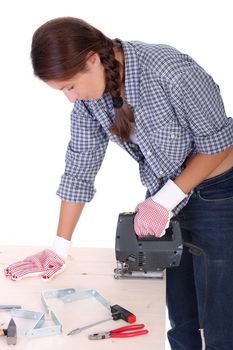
173, 141
222, 190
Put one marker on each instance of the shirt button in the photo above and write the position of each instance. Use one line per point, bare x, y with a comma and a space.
173, 136
161, 173
148, 153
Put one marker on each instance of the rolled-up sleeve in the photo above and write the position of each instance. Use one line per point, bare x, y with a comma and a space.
84, 156
200, 109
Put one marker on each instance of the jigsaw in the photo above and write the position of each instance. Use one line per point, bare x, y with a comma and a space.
148, 256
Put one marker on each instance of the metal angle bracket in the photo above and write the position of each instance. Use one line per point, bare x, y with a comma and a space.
9, 307
67, 295
91, 293
39, 330
56, 293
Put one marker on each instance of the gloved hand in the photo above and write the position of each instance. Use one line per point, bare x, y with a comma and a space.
47, 263
154, 214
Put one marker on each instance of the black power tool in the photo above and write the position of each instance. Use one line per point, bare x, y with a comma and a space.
148, 256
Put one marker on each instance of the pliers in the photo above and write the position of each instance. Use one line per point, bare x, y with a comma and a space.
120, 332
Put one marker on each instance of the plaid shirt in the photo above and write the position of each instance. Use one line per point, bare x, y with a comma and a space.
178, 111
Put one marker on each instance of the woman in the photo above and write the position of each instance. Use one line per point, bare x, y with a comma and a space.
167, 113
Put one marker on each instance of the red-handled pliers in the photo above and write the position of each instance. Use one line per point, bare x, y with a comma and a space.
120, 332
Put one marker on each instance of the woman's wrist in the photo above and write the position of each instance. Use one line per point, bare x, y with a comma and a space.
169, 196
61, 247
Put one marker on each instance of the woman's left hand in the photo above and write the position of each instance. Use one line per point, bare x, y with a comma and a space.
151, 219
154, 214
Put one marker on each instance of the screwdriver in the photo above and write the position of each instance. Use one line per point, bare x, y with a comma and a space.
80, 329
118, 313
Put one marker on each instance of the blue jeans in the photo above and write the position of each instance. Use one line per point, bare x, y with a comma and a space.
200, 290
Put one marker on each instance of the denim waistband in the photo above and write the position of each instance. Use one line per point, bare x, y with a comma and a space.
226, 175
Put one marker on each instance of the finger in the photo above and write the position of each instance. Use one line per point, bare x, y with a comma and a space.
19, 268
22, 263
13, 267
24, 273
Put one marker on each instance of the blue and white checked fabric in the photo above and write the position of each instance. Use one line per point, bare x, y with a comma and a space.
178, 111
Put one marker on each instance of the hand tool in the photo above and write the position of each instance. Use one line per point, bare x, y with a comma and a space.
80, 329
10, 333
122, 332
148, 256
118, 313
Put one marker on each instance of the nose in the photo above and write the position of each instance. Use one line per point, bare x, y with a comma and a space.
71, 95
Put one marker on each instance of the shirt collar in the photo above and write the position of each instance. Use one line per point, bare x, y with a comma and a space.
132, 74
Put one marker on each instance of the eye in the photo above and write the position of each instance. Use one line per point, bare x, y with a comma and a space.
70, 88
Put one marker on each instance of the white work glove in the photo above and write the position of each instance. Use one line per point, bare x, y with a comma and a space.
47, 263
154, 214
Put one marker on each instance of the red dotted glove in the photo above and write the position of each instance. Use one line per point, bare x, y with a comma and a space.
151, 219
47, 263
154, 214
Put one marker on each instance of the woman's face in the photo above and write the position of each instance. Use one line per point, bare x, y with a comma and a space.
84, 85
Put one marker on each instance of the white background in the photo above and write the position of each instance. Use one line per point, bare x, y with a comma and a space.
35, 119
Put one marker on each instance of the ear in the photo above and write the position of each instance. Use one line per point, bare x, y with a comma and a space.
93, 58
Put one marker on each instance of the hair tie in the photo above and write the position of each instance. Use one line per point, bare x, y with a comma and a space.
117, 102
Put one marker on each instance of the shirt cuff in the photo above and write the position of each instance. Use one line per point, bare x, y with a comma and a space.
75, 190
216, 142
169, 196
61, 247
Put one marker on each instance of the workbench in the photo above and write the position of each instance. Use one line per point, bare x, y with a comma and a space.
88, 268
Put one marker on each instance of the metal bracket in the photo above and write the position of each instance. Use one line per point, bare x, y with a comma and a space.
86, 294
39, 330
67, 295
56, 293
9, 307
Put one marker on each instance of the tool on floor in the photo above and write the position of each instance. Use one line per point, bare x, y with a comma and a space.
118, 313
123, 332
10, 332
148, 256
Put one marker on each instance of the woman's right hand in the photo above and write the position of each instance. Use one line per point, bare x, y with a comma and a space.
47, 263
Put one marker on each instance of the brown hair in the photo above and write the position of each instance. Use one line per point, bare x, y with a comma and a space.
60, 48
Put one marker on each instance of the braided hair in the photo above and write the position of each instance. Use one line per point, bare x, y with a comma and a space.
122, 124
60, 49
